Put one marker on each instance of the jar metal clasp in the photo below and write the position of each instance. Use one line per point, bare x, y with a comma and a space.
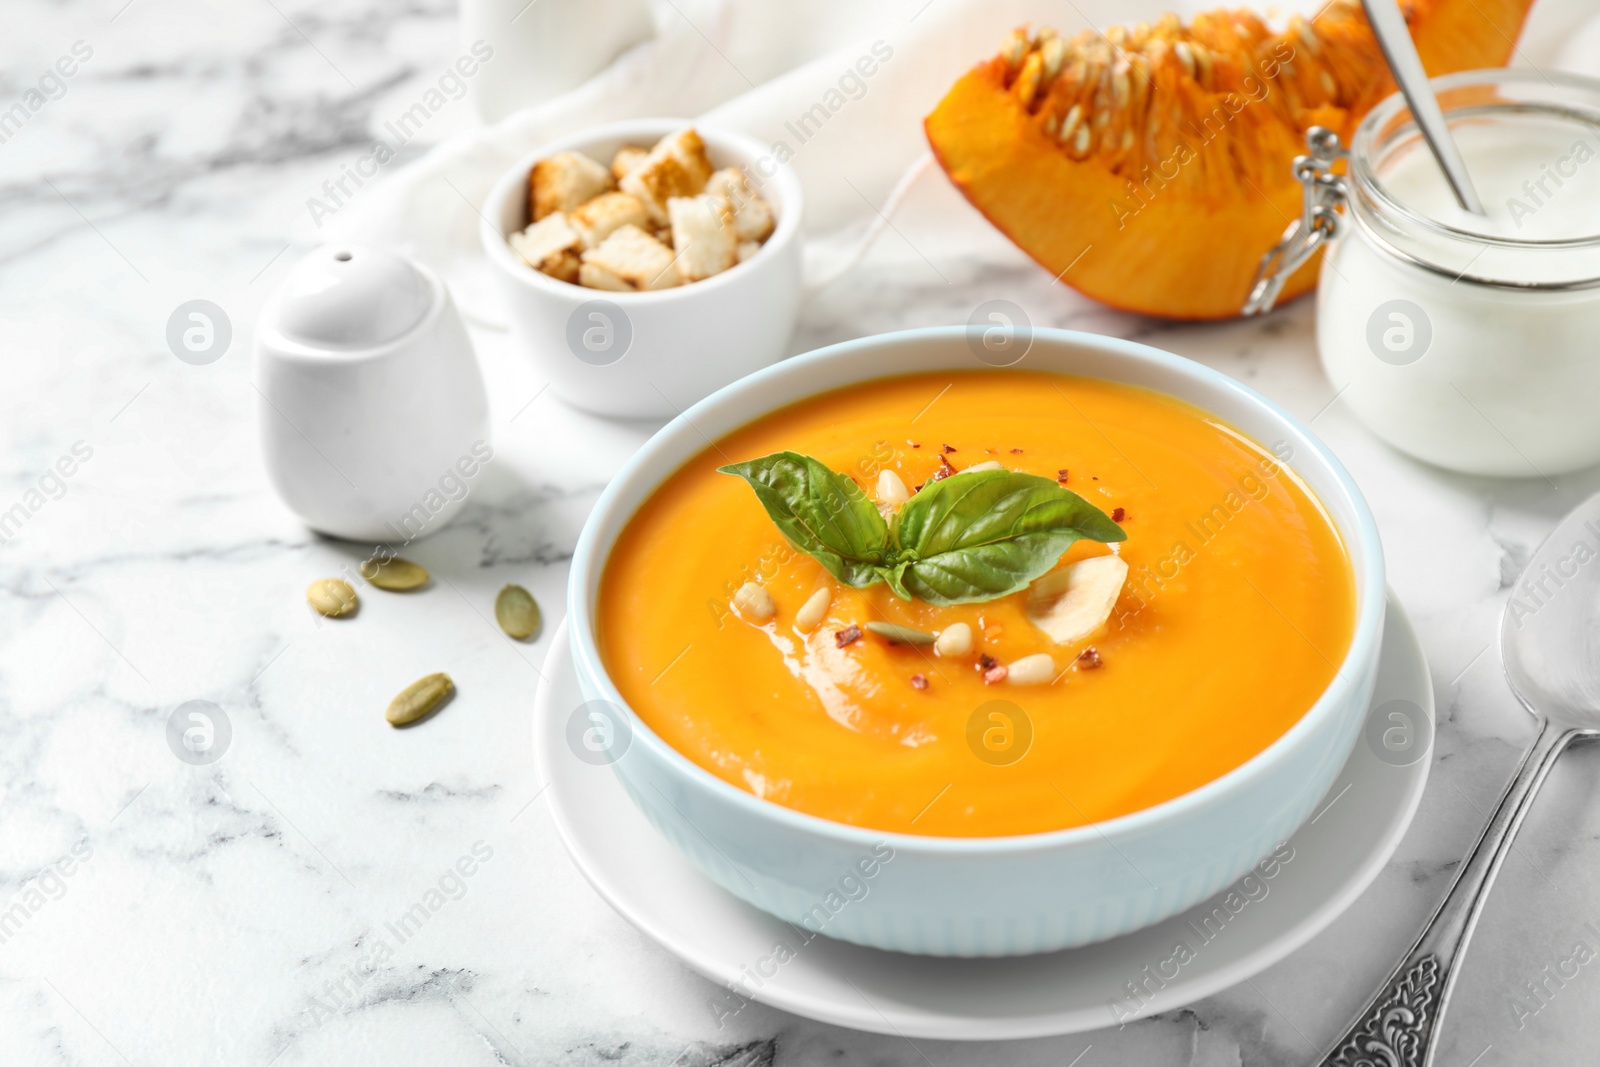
1319, 221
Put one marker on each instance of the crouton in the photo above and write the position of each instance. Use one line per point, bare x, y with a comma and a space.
550, 246
599, 218
594, 276
752, 216
702, 235
631, 259
676, 166
748, 249
627, 158
564, 181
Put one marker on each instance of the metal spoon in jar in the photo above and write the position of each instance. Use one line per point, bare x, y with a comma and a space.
1320, 221
1389, 25
1550, 645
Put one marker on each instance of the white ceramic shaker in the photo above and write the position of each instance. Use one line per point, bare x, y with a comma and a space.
374, 420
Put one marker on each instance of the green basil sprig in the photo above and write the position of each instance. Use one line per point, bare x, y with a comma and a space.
967, 538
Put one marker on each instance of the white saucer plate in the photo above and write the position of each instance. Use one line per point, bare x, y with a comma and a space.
754, 956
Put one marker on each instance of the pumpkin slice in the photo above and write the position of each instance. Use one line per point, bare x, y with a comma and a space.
1150, 168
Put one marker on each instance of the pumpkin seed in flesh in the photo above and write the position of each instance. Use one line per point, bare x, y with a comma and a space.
332, 597
419, 698
396, 575
517, 612
896, 634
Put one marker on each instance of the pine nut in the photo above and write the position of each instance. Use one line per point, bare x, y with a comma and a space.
754, 603
954, 640
986, 465
1036, 669
813, 610
891, 489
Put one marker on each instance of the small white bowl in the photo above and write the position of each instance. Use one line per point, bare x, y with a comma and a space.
657, 353
990, 896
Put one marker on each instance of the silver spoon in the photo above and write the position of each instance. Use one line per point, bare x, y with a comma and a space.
1401, 52
1550, 644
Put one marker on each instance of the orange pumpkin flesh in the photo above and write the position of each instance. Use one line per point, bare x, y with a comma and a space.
1150, 168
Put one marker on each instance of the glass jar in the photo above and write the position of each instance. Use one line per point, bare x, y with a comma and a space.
1471, 342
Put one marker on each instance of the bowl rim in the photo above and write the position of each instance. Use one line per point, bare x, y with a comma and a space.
588, 563
746, 149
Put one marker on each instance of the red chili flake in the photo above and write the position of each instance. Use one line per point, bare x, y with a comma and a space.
947, 448
986, 662
1089, 658
847, 636
1016, 451
919, 681
993, 675
1118, 514
1094, 477
1062, 475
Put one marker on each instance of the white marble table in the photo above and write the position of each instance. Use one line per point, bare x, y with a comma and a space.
237, 913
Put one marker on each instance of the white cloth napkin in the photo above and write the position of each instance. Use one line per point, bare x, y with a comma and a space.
757, 67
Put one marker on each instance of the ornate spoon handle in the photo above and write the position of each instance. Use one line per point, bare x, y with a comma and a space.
1397, 1028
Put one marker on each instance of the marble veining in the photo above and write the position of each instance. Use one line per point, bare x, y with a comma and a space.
253, 911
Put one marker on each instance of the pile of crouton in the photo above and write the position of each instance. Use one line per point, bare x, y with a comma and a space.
657, 218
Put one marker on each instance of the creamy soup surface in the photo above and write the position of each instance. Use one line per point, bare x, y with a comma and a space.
1238, 605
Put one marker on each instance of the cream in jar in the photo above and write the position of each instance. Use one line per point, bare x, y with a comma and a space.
1473, 342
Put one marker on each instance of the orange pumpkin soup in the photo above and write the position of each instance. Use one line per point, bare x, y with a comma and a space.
1237, 605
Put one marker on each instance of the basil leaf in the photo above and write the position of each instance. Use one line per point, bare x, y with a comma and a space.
896, 577
822, 513
982, 535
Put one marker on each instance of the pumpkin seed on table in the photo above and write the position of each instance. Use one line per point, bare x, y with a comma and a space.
396, 575
419, 699
517, 612
896, 634
332, 597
